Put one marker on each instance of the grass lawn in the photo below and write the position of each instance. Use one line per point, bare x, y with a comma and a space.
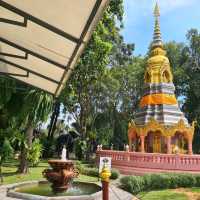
10, 175
162, 195
196, 190
171, 194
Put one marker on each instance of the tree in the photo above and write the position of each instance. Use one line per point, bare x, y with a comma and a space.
77, 96
178, 57
191, 105
185, 62
116, 101
36, 108
5, 153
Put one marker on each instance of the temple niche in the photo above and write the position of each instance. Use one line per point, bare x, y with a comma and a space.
159, 125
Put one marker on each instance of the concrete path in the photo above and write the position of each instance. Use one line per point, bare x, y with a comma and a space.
3, 192
114, 193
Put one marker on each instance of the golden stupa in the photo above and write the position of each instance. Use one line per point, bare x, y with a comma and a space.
159, 125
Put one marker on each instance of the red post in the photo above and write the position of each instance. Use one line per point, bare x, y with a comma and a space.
105, 188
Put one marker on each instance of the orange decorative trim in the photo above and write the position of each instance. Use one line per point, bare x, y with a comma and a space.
157, 99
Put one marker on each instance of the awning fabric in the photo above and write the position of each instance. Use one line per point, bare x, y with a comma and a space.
41, 40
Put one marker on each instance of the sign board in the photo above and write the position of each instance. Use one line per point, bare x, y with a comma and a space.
104, 161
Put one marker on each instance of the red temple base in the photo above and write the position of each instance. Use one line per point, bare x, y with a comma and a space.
137, 163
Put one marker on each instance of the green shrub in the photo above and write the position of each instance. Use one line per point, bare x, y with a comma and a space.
80, 149
147, 181
135, 184
6, 152
91, 172
197, 177
186, 180
79, 166
174, 180
114, 174
35, 153
160, 181
78, 162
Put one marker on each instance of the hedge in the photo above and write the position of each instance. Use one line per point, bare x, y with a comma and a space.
136, 184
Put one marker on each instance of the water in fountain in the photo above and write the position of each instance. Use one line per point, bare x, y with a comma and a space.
44, 189
64, 153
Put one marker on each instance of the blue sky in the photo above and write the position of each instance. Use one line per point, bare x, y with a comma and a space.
177, 16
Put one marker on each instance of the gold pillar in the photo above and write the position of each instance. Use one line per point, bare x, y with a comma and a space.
130, 145
142, 137
190, 152
169, 149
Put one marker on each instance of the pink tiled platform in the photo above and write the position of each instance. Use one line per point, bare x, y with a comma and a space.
141, 163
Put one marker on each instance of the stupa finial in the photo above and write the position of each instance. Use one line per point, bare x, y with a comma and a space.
157, 39
156, 10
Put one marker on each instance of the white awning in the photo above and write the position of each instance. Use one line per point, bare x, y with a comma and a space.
41, 40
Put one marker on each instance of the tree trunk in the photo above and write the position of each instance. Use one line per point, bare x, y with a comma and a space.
51, 125
23, 166
53, 122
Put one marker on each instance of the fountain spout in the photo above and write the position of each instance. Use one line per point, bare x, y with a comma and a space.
64, 153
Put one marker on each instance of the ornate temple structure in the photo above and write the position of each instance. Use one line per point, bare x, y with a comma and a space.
159, 125
160, 137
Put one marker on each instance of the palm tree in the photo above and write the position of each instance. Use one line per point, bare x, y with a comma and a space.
37, 107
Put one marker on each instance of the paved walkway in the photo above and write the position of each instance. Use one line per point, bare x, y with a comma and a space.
114, 193
3, 196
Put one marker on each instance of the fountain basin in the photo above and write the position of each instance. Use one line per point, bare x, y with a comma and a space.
41, 190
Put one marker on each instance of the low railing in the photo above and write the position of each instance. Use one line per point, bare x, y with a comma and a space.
152, 160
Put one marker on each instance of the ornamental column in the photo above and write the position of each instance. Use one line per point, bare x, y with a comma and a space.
142, 143
190, 152
169, 149
130, 144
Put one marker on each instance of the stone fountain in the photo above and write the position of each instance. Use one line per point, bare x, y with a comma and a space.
60, 184
61, 173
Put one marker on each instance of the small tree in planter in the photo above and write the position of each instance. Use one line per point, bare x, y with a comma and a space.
6, 151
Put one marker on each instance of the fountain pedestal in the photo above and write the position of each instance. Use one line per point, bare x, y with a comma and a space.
60, 175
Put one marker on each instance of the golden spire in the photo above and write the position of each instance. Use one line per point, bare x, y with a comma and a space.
158, 70
157, 39
156, 10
